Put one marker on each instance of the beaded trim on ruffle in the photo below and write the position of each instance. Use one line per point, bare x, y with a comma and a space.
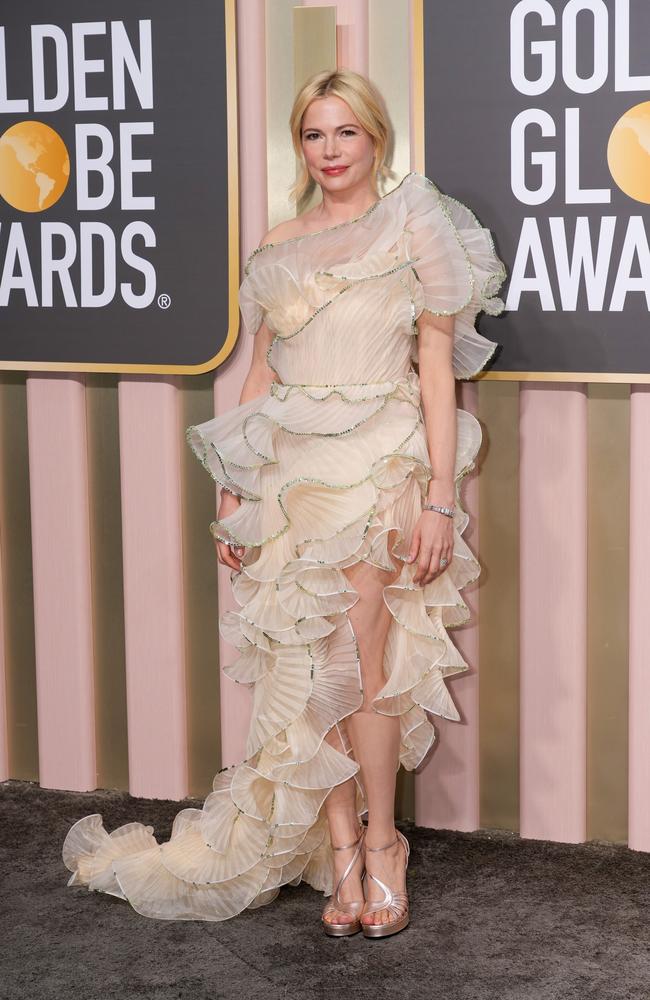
387, 386
331, 229
320, 482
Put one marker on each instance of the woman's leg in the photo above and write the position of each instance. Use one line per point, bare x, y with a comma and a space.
343, 822
375, 742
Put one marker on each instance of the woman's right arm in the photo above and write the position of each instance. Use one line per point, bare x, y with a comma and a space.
257, 381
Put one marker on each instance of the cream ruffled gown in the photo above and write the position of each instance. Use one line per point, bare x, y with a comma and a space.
326, 463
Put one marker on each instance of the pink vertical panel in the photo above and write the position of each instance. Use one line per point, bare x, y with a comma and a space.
4, 736
150, 442
58, 475
351, 33
553, 611
639, 674
447, 787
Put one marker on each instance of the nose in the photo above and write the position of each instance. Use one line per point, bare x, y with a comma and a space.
331, 147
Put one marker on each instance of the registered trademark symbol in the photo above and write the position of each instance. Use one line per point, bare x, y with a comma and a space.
164, 300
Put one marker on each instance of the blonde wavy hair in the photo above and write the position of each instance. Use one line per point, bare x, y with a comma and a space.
367, 104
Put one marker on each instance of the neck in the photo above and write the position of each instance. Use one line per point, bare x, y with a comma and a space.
340, 206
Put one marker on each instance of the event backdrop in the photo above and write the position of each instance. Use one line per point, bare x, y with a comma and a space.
109, 652
537, 114
114, 186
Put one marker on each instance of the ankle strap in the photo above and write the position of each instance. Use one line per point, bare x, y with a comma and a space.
385, 847
345, 847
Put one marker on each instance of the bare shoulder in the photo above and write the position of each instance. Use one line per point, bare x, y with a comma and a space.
286, 230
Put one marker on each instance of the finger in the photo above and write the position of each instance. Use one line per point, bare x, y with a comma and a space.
447, 554
429, 575
433, 568
225, 556
423, 565
415, 545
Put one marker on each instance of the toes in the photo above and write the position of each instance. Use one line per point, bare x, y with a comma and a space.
378, 917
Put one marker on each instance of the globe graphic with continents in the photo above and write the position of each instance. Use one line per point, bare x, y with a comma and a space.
628, 152
34, 166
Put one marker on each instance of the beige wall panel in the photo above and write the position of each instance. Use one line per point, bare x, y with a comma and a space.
314, 42
608, 415
279, 98
498, 485
314, 50
389, 69
17, 592
107, 580
299, 41
200, 592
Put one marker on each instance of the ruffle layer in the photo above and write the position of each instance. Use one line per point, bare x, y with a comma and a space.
264, 824
415, 235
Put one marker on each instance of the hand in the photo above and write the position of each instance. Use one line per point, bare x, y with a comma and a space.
433, 540
227, 556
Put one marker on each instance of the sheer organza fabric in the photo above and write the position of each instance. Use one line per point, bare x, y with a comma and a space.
326, 463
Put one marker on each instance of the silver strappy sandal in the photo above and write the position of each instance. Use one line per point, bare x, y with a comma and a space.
352, 907
397, 903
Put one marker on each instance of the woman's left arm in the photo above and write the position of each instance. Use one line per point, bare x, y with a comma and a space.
433, 534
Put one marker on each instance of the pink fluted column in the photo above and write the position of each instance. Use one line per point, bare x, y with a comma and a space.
553, 611
447, 787
639, 672
150, 472
58, 478
4, 734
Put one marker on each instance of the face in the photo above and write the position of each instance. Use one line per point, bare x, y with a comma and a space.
338, 151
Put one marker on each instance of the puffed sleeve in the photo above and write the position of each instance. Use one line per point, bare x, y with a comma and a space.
254, 295
457, 269
279, 287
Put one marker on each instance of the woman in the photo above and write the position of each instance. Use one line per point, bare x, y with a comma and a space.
340, 519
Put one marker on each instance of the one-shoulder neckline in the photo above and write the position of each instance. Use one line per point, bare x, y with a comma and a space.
329, 229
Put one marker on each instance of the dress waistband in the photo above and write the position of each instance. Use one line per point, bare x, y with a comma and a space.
410, 379
404, 386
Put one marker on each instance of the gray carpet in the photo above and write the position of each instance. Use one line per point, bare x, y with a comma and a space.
493, 916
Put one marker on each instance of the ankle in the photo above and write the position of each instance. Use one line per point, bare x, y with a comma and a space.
378, 838
345, 834
341, 816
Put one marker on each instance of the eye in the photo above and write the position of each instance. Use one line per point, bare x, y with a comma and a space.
315, 135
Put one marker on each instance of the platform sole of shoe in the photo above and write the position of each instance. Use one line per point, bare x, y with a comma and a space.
341, 930
385, 930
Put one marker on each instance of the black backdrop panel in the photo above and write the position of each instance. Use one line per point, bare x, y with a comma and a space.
523, 109
163, 232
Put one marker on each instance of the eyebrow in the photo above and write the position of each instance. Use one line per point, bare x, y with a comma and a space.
312, 128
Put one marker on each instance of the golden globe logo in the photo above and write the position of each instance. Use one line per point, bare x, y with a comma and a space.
578, 48
37, 162
628, 152
34, 166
